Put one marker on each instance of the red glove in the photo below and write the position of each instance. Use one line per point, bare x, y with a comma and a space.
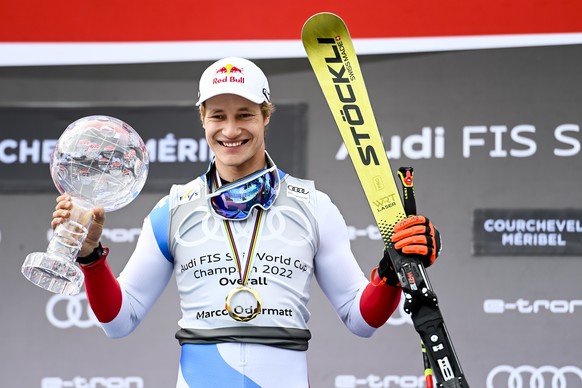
416, 235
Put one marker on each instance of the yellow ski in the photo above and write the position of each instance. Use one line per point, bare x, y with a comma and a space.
330, 50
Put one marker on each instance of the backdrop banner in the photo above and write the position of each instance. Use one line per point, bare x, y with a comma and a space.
495, 140
529, 232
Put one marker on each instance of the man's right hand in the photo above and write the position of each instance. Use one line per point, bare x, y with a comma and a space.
63, 212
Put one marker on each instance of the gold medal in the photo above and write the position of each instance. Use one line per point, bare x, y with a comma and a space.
239, 312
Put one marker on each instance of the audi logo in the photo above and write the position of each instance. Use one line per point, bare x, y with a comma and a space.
65, 311
527, 376
298, 189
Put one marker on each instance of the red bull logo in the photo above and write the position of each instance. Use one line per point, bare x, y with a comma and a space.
228, 73
228, 69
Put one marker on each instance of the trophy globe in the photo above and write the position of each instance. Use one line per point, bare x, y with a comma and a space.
101, 162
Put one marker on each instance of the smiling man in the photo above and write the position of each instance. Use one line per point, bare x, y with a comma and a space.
244, 241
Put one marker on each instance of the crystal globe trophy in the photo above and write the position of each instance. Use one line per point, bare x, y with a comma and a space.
101, 162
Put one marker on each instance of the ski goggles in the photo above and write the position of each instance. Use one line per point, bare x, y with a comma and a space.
236, 200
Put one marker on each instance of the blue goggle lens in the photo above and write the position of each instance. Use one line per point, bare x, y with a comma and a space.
234, 201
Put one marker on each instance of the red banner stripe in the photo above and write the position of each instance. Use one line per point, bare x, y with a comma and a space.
187, 20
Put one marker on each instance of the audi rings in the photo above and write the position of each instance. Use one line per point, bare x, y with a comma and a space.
77, 312
534, 377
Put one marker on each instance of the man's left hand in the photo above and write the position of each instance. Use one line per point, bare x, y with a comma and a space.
416, 235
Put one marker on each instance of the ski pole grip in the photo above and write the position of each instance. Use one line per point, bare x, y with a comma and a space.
406, 175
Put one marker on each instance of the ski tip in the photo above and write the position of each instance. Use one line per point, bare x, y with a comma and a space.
318, 18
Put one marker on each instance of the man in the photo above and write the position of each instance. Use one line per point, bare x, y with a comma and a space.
244, 242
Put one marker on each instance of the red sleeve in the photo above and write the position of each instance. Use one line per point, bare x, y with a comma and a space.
379, 300
103, 290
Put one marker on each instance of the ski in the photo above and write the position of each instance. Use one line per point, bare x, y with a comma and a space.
330, 51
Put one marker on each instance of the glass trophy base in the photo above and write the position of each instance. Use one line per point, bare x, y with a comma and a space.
53, 273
